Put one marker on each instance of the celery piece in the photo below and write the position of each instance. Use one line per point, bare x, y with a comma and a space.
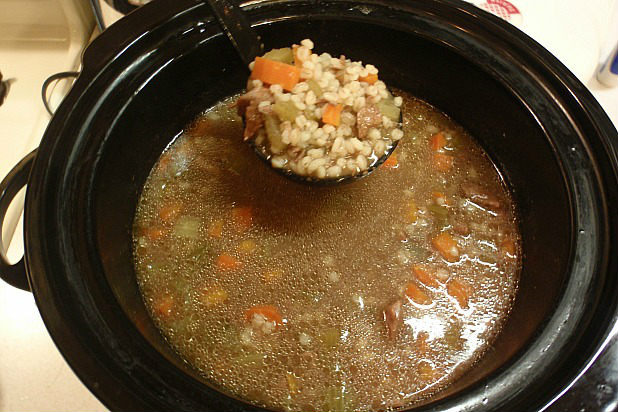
438, 210
387, 108
452, 335
315, 88
254, 359
338, 399
283, 55
310, 115
187, 227
286, 110
331, 337
271, 125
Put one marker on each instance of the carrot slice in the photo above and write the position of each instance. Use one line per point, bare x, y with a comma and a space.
425, 277
416, 294
169, 212
443, 162
332, 114
370, 78
273, 72
270, 312
460, 290
154, 233
243, 217
437, 141
508, 247
164, 305
447, 246
228, 262
391, 162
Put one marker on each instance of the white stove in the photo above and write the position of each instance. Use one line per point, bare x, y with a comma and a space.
33, 374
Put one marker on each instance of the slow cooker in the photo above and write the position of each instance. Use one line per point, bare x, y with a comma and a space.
151, 73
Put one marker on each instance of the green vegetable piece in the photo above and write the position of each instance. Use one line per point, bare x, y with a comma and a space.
440, 215
271, 124
436, 210
310, 115
250, 359
331, 337
200, 253
283, 55
387, 108
453, 143
286, 110
337, 399
417, 252
187, 227
315, 88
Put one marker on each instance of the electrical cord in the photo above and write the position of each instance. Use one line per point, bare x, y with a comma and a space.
49, 81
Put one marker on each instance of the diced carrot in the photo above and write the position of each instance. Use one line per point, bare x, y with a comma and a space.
272, 275
247, 246
411, 212
243, 217
443, 162
370, 78
154, 233
332, 114
460, 290
447, 246
215, 229
270, 312
164, 305
437, 141
214, 296
168, 212
391, 162
508, 247
416, 294
273, 72
228, 262
425, 277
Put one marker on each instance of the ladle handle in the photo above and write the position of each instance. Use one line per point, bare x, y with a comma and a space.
241, 34
14, 274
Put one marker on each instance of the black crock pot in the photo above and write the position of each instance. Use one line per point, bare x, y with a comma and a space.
149, 74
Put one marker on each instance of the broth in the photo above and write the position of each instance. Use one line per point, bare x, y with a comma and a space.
366, 296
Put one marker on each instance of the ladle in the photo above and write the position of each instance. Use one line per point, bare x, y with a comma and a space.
248, 45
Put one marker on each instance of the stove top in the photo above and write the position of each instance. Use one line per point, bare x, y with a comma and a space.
579, 33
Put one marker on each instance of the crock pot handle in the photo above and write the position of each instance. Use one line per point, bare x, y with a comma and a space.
14, 274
